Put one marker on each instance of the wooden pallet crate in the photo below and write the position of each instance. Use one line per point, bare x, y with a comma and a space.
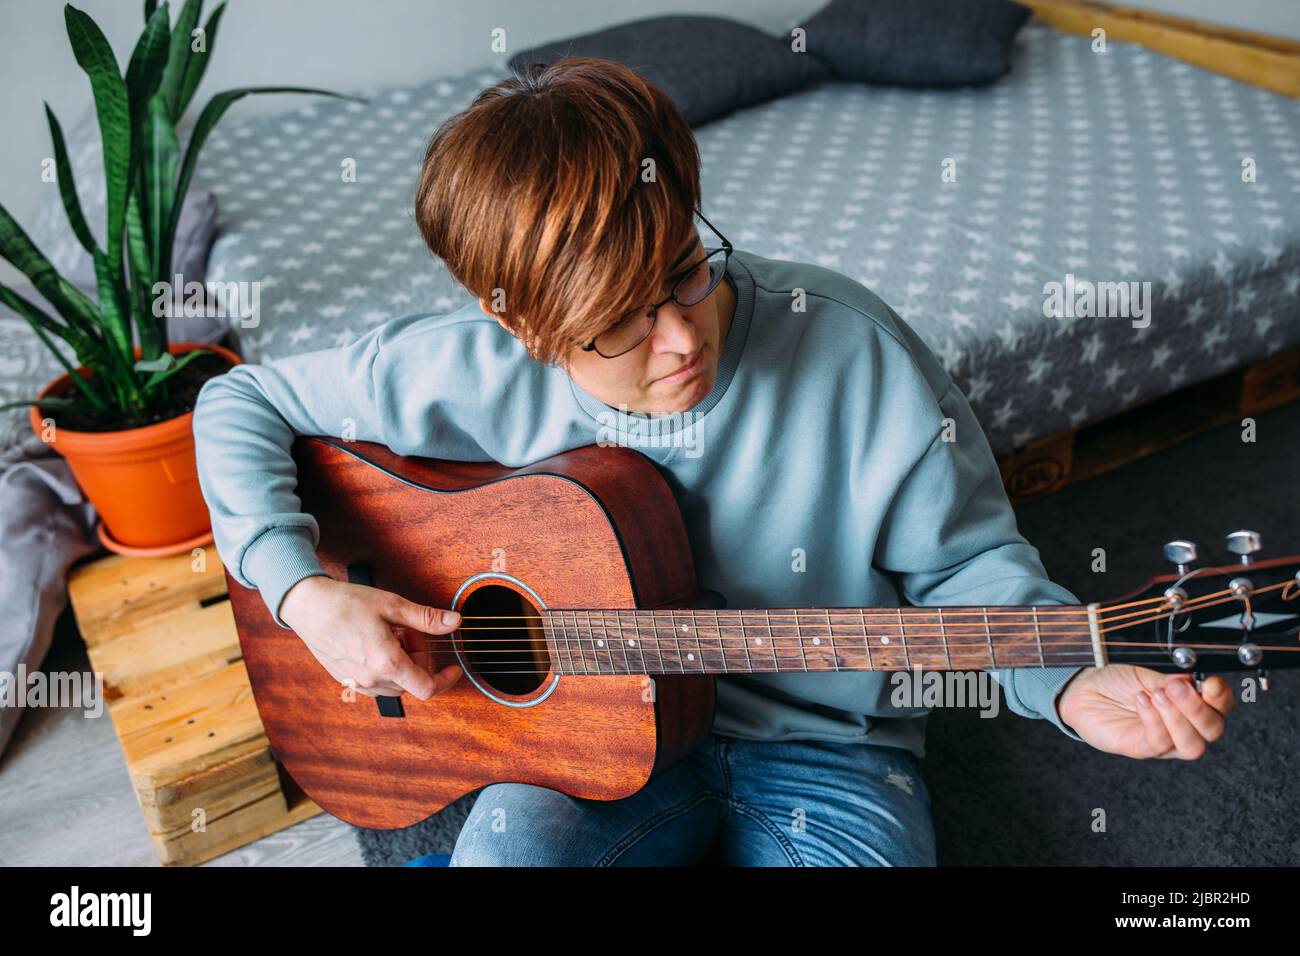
1051, 463
161, 633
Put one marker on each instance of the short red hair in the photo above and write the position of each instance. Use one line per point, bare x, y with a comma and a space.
537, 190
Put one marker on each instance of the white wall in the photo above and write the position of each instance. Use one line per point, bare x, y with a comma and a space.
1278, 17
346, 44
337, 44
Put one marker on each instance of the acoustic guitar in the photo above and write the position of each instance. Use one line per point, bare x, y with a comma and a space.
590, 652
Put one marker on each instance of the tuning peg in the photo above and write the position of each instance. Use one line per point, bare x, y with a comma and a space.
1244, 543
1181, 553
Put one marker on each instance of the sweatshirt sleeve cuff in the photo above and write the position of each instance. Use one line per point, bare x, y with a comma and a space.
277, 560
1038, 691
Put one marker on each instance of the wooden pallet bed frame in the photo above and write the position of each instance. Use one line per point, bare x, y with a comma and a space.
1269, 62
1073, 455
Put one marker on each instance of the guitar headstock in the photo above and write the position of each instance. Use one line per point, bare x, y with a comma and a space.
1243, 616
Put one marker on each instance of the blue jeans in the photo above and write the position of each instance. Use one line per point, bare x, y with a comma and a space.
732, 802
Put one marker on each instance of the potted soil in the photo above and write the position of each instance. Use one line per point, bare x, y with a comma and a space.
122, 416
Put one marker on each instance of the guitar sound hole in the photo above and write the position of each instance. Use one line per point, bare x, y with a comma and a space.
502, 639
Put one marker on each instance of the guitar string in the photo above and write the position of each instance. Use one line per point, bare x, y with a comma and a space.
592, 664
667, 660
1029, 640
574, 647
592, 673
1059, 655
1084, 654
1084, 649
1105, 613
565, 641
1079, 614
568, 667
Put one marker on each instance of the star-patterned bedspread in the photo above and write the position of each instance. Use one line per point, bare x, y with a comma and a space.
956, 206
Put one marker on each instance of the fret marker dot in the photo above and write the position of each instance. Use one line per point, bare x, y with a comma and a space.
817, 640
690, 657
884, 640
631, 643
683, 627
758, 640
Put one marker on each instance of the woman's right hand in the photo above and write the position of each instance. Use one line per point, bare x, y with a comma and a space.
355, 632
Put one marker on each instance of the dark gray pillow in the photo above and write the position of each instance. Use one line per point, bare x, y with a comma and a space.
709, 66
917, 42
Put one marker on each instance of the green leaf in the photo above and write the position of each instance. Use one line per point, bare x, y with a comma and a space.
161, 376
164, 361
207, 121
162, 156
153, 329
114, 306
87, 352
68, 185
178, 57
91, 352
143, 80
112, 104
198, 62
149, 6
75, 307
144, 72
49, 400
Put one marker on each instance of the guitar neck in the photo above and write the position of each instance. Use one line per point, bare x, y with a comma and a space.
821, 639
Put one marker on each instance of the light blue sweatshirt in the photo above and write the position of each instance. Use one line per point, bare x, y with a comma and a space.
818, 472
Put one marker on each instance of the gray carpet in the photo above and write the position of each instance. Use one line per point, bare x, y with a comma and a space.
1010, 791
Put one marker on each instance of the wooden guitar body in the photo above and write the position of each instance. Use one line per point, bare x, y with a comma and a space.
594, 527
589, 654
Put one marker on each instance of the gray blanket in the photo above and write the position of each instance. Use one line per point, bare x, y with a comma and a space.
46, 523
958, 207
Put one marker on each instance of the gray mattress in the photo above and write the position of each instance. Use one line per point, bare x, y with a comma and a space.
1115, 167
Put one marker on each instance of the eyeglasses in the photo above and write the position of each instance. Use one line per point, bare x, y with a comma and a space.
691, 288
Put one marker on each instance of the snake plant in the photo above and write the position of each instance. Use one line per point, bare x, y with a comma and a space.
146, 178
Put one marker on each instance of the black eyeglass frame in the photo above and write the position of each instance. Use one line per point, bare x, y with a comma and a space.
726, 248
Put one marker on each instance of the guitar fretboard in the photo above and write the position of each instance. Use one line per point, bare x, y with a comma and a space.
810, 640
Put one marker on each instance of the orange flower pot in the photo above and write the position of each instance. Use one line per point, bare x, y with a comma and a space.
143, 481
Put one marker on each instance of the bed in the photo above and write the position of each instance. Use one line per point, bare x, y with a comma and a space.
1125, 166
